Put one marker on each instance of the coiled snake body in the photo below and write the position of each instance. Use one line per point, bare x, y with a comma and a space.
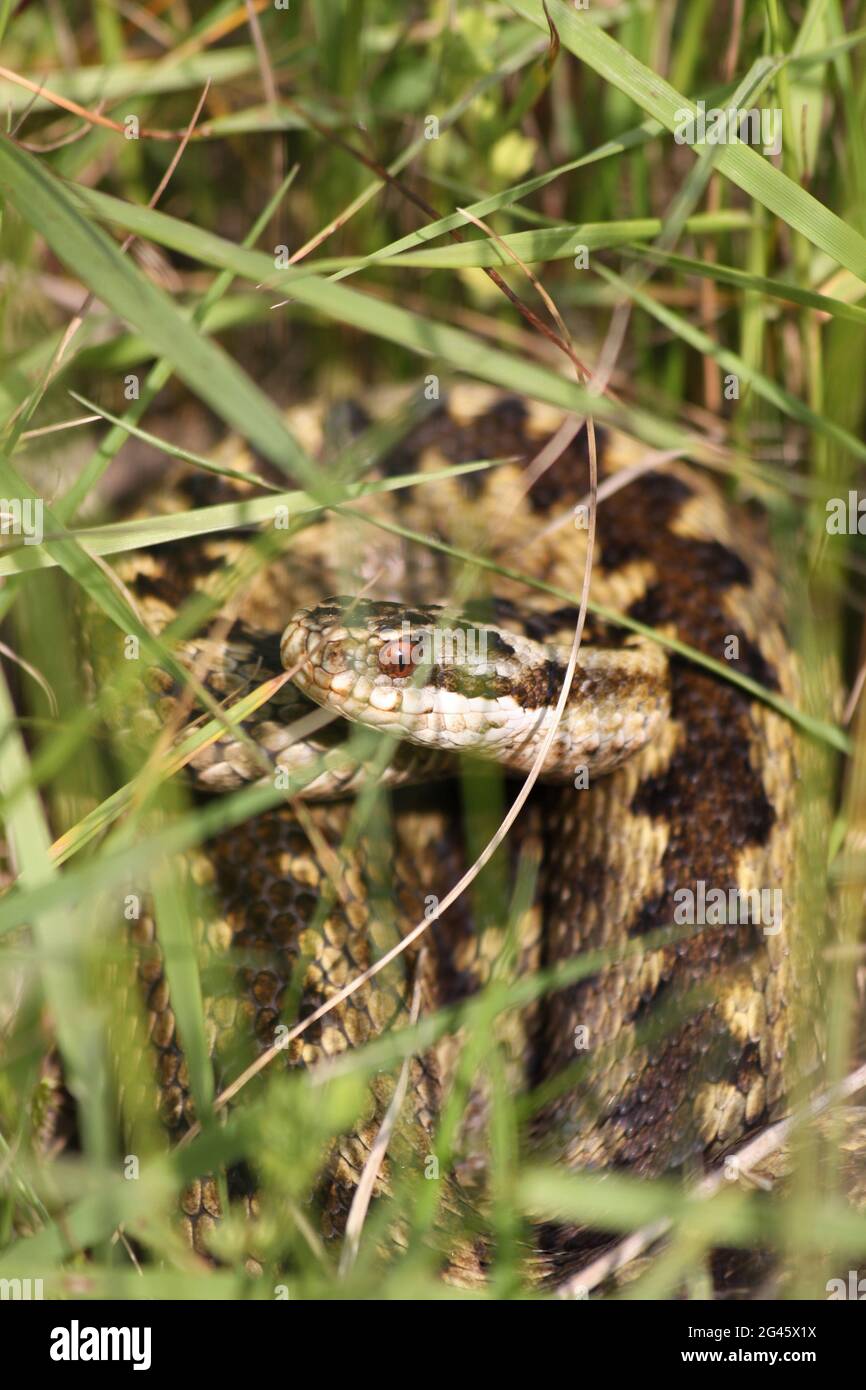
672, 781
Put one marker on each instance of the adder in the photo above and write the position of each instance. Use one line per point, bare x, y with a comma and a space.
664, 780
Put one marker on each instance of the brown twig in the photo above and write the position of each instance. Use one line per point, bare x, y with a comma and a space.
429, 211
72, 138
92, 117
264, 62
87, 302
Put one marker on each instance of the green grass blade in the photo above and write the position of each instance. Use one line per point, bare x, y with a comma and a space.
44, 203
740, 163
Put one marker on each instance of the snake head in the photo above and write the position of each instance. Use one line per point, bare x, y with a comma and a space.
475, 688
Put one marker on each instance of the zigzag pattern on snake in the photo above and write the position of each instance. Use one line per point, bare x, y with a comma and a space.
664, 1053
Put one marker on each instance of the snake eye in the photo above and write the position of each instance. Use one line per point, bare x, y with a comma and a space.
397, 658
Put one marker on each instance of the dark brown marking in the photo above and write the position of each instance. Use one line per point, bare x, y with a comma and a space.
714, 804
539, 686
566, 481
180, 568
557, 623
500, 432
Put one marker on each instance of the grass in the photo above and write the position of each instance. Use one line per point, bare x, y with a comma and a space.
313, 139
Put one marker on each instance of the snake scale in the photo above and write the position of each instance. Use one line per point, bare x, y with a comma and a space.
664, 779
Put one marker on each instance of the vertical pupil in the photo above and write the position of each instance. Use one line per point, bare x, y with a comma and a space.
397, 656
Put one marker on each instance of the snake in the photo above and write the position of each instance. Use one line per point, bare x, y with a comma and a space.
664, 1035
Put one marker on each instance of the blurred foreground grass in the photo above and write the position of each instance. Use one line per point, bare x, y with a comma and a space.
745, 277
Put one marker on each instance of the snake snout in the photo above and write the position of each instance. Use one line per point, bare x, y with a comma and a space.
316, 647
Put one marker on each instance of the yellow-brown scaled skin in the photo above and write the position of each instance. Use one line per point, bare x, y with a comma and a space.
685, 1045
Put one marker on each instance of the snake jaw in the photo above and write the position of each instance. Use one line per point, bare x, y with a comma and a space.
493, 696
